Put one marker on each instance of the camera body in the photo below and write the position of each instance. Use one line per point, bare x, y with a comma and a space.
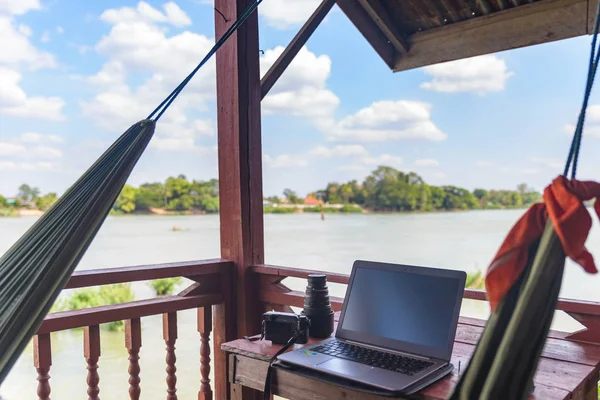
280, 327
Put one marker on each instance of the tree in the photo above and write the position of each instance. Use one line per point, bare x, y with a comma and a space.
291, 196
126, 200
46, 201
480, 193
27, 193
3, 202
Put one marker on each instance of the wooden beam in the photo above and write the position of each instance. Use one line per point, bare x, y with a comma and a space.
294, 47
365, 24
382, 19
240, 178
535, 23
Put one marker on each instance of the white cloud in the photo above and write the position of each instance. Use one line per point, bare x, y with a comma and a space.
46, 152
16, 49
59, 29
340, 151
285, 161
137, 44
14, 101
481, 74
484, 164
592, 123
388, 120
23, 166
427, 162
283, 14
383, 159
11, 149
548, 162
18, 7
32, 137
28, 146
301, 90
45, 37
144, 12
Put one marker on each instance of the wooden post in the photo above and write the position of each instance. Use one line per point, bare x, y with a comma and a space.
204, 328
170, 336
91, 352
240, 177
42, 360
133, 342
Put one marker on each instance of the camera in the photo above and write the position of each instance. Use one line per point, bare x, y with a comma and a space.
317, 306
280, 327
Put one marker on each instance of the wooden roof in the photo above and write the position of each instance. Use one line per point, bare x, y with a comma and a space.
413, 33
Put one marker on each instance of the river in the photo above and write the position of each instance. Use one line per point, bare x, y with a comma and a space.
458, 240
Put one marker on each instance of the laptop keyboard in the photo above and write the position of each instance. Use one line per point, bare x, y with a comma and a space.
374, 358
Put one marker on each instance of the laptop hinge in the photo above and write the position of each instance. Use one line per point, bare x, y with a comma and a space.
385, 349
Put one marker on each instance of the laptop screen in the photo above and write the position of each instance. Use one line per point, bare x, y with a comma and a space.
404, 308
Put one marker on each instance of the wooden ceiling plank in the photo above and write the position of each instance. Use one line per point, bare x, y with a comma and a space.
526, 25
382, 19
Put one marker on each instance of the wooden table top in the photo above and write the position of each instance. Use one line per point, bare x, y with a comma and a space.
567, 369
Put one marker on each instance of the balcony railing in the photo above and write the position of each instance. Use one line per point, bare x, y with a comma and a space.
211, 287
206, 291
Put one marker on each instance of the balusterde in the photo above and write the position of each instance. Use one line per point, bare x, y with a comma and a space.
42, 360
91, 352
133, 343
205, 327
170, 336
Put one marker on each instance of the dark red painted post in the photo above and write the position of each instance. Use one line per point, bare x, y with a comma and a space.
42, 360
133, 343
240, 178
91, 352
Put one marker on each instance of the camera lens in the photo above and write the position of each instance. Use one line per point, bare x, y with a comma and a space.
317, 306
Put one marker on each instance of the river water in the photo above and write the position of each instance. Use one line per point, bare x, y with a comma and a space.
459, 240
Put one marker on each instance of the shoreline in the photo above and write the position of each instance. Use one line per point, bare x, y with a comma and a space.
26, 213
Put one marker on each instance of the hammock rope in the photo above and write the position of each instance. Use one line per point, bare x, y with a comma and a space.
166, 103
35, 269
573, 156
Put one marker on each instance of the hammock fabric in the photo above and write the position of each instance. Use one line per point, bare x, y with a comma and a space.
37, 267
523, 282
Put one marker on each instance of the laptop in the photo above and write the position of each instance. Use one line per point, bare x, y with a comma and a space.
396, 329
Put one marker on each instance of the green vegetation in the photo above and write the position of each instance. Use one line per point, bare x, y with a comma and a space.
388, 189
385, 190
94, 297
165, 286
176, 194
475, 280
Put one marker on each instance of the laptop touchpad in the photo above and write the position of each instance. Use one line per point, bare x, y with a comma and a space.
348, 368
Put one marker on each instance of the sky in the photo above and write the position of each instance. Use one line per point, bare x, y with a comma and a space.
74, 75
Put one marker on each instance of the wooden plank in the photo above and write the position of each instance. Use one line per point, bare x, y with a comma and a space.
42, 361
223, 323
240, 175
299, 273
526, 25
382, 19
556, 349
251, 372
365, 24
99, 315
290, 52
107, 276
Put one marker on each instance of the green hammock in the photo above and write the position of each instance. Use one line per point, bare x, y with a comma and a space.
507, 354
37, 267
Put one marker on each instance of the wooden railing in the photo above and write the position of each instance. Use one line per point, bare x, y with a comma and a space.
210, 278
277, 296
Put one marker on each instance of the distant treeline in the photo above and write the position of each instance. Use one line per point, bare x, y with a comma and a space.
385, 189
388, 189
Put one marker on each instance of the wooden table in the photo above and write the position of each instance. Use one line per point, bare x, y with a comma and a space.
567, 369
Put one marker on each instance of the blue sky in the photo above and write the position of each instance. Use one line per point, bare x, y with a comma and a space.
74, 75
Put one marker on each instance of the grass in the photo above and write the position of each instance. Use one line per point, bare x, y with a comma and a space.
94, 297
165, 286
